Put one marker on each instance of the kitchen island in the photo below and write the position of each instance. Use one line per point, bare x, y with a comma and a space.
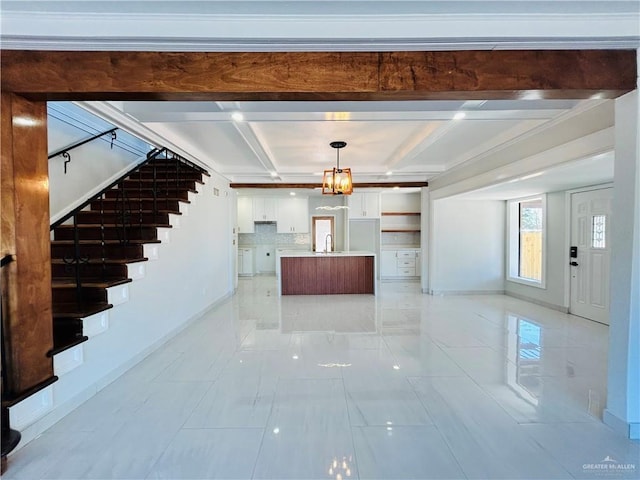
311, 273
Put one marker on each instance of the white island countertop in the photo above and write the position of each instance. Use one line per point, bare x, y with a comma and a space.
307, 253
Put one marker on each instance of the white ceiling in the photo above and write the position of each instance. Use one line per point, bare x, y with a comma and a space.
288, 142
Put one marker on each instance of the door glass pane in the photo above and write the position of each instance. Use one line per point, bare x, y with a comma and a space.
598, 231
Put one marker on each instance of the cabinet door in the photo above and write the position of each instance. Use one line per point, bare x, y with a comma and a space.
293, 215
364, 205
285, 212
355, 202
245, 256
388, 263
371, 205
245, 215
300, 215
264, 209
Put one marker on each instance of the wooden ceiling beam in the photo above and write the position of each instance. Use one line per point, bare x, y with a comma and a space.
319, 185
321, 76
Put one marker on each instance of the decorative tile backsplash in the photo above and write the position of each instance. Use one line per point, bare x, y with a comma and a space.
400, 238
266, 234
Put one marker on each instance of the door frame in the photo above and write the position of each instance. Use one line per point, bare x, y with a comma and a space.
568, 223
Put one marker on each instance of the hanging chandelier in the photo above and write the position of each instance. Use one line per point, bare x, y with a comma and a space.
337, 181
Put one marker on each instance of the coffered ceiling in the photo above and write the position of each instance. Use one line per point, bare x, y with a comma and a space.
288, 142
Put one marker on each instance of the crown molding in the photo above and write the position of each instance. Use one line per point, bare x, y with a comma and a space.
315, 32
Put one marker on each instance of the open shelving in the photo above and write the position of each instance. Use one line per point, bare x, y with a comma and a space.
400, 222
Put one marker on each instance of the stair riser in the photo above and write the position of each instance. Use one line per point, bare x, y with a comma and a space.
148, 175
148, 184
111, 205
95, 218
115, 252
133, 196
69, 327
89, 271
94, 233
89, 294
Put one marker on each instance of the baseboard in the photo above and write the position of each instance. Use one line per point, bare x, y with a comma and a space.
629, 430
465, 292
399, 279
58, 412
552, 306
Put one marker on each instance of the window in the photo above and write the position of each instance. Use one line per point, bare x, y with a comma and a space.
526, 240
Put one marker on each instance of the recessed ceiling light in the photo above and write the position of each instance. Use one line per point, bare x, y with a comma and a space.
293, 194
274, 174
237, 116
459, 116
396, 188
389, 172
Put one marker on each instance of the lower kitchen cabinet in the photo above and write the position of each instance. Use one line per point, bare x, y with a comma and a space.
401, 263
246, 262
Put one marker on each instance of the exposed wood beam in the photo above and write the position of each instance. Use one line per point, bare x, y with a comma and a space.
440, 75
319, 185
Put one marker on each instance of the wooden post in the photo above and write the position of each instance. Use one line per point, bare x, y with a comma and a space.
26, 282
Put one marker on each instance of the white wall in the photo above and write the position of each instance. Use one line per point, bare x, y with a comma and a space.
467, 246
190, 276
93, 165
554, 293
623, 389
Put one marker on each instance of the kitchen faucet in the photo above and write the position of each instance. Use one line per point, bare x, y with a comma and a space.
326, 239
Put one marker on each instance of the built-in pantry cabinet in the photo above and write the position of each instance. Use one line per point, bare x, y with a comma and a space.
363, 205
293, 215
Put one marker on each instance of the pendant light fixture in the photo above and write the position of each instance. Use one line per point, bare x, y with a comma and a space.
337, 181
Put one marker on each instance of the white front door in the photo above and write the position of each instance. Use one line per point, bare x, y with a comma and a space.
591, 253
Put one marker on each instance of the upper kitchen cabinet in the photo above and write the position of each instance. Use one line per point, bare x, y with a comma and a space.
245, 215
264, 209
363, 205
293, 215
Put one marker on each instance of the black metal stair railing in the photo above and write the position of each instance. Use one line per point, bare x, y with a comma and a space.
64, 152
123, 213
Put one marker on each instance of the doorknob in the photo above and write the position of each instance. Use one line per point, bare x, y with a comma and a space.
573, 264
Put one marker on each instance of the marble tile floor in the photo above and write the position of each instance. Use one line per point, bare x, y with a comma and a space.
399, 386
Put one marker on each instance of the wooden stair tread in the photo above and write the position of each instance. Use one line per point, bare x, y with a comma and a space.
98, 261
115, 225
159, 180
144, 211
69, 282
66, 344
134, 199
79, 310
107, 242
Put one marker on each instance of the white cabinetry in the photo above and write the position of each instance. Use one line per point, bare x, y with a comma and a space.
364, 205
264, 209
400, 263
245, 215
245, 261
293, 215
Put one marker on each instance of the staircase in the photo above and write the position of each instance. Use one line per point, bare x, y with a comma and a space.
92, 247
